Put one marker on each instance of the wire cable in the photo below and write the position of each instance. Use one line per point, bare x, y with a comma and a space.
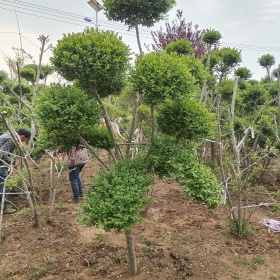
78, 20
83, 25
66, 15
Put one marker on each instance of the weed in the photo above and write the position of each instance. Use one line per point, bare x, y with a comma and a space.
254, 266
244, 231
242, 260
181, 264
179, 239
259, 260
153, 242
121, 260
13, 272
189, 254
99, 237
236, 277
41, 271
223, 249
147, 250
61, 207
273, 277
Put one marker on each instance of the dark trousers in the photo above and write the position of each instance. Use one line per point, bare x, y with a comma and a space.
75, 181
3, 177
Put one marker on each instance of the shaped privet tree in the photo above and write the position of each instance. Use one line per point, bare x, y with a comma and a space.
98, 61
134, 13
159, 75
210, 39
116, 199
267, 61
137, 12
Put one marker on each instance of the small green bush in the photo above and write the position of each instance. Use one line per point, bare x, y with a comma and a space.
118, 195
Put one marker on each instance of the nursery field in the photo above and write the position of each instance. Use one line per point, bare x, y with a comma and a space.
179, 239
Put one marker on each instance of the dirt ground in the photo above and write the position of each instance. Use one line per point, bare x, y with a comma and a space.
179, 239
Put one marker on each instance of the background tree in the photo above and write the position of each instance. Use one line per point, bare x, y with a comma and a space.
181, 46
229, 58
267, 61
179, 29
210, 39
29, 74
243, 73
137, 12
3, 76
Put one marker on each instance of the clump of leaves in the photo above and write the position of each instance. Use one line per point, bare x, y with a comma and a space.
185, 118
118, 195
198, 181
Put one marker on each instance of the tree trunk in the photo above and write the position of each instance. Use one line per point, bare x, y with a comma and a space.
131, 252
237, 162
152, 120
138, 37
220, 140
134, 117
278, 91
108, 122
84, 142
20, 94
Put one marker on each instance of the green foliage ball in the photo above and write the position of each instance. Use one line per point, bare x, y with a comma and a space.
118, 195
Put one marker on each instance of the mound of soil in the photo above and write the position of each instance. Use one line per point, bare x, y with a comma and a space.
179, 239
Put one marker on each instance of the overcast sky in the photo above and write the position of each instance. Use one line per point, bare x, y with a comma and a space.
250, 26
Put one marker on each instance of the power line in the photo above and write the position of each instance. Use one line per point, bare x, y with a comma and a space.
8, 32
75, 18
65, 15
74, 23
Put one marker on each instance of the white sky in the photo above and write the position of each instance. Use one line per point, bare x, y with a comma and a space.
250, 27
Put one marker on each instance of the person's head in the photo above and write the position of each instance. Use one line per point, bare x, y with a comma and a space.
24, 134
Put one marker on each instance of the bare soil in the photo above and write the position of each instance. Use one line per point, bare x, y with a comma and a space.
179, 239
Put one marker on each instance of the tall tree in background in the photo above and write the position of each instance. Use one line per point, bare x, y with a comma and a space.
137, 12
179, 29
267, 61
229, 59
210, 38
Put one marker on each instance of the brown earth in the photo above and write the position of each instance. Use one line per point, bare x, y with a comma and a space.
179, 239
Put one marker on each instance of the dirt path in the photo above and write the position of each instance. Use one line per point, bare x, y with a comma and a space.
179, 239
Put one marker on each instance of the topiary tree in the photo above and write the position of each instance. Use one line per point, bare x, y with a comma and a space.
29, 74
98, 61
137, 12
243, 73
134, 13
158, 76
63, 111
3, 76
229, 58
185, 119
267, 61
46, 70
210, 39
116, 199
